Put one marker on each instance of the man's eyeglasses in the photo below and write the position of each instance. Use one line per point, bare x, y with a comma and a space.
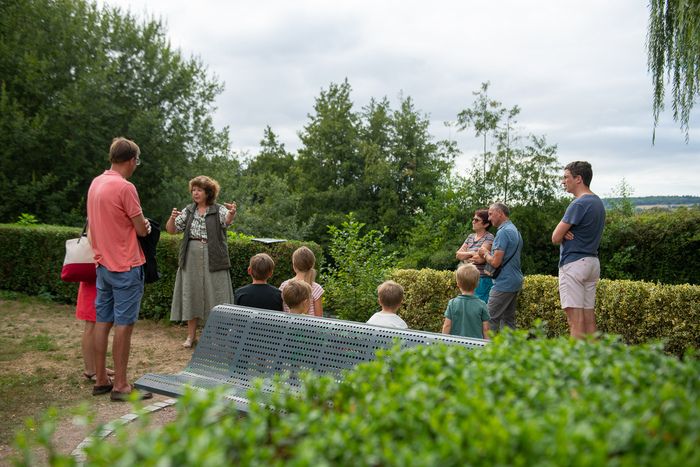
138, 161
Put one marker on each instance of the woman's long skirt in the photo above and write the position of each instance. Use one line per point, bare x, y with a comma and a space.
197, 290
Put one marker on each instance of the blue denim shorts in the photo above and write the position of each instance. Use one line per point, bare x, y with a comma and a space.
118, 296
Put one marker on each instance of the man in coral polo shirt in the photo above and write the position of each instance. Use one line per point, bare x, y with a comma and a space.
115, 218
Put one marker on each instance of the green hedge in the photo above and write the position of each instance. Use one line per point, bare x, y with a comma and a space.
637, 311
31, 258
651, 246
518, 401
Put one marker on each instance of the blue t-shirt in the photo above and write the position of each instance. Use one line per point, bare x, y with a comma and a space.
467, 314
587, 218
508, 240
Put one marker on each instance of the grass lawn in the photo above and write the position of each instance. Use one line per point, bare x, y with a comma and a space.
41, 366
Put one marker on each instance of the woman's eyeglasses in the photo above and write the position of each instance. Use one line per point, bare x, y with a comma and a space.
476, 219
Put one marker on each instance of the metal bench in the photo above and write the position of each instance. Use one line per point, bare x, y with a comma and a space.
241, 344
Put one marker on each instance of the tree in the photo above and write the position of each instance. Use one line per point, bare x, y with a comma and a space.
484, 116
268, 206
673, 46
329, 164
511, 173
420, 165
73, 76
359, 264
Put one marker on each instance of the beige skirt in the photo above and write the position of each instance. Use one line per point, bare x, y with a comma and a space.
197, 290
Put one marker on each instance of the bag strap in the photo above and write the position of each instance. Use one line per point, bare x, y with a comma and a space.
520, 242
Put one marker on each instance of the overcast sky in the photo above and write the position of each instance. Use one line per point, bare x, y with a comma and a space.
577, 70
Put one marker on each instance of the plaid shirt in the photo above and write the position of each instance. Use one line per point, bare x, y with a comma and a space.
198, 229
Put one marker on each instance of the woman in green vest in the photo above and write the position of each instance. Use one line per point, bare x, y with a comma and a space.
202, 280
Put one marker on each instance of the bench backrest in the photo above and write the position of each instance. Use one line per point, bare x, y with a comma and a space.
239, 344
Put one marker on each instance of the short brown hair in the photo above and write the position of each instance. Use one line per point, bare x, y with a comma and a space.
261, 266
467, 277
123, 150
582, 169
390, 294
209, 185
483, 214
295, 293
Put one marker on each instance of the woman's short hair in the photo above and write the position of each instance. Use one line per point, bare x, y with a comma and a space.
296, 292
209, 185
390, 294
483, 214
467, 277
123, 150
261, 266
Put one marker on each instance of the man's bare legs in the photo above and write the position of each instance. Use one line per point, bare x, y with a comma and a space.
121, 345
589, 326
581, 322
101, 339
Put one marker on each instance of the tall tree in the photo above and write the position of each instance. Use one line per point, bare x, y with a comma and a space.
511, 173
74, 76
484, 116
673, 45
420, 164
329, 163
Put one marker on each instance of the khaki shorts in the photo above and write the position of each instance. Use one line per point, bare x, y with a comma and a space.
577, 282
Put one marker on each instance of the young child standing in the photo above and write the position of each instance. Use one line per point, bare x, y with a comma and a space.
303, 262
466, 315
297, 295
390, 297
259, 294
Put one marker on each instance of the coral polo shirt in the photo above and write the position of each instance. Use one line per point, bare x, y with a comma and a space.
112, 202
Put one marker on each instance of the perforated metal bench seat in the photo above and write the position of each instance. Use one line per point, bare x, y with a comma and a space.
240, 344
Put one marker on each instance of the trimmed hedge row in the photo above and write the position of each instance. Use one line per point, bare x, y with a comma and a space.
518, 401
31, 258
638, 311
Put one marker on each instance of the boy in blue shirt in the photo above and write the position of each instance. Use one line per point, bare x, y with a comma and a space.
466, 315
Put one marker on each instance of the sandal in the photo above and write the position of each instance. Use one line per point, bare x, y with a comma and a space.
117, 396
91, 377
103, 389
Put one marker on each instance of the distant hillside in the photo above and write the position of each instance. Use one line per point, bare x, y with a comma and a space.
648, 202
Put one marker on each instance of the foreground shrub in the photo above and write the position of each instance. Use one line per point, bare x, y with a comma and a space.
31, 258
638, 311
518, 401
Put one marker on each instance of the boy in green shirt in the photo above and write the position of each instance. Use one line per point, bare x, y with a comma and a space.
466, 315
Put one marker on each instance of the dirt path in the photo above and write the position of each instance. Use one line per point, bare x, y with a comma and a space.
41, 366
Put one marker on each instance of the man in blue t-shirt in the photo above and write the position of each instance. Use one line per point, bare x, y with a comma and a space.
506, 252
579, 234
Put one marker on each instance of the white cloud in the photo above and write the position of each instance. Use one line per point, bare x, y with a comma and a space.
577, 70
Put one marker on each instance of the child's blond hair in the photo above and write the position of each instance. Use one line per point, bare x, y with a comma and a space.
390, 294
467, 277
303, 262
261, 266
296, 292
